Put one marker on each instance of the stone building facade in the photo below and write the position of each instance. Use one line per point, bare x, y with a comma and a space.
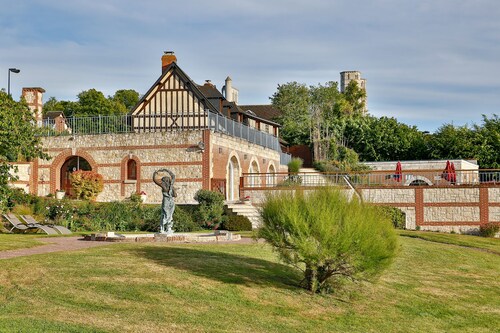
175, 126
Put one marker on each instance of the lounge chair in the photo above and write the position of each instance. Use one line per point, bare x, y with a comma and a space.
59, 228
16, 224
29, 226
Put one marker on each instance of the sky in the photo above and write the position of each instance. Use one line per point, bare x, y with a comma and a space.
426, 62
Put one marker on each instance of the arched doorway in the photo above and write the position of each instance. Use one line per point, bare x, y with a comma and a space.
253, 180
271, 177
233, 179
72, 164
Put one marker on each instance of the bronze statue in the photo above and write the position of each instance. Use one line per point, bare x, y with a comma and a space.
166, 183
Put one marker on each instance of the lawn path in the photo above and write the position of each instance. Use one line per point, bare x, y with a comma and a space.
54, 244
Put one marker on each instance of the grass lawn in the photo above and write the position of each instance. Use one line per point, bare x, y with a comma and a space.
18, 241
430, 287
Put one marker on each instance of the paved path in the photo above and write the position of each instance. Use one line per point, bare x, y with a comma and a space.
57, 244
54, 244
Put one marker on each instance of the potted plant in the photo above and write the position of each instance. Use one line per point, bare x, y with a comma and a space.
60, 194
143, 196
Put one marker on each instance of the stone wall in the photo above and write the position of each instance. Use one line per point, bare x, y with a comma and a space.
108, 155
446, 208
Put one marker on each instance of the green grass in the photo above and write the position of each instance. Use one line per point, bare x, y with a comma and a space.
430, 287
489, 244
18, 241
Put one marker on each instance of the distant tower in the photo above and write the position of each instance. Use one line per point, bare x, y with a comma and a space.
348, 76
33, 97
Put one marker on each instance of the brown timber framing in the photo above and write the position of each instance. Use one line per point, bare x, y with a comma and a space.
174, 102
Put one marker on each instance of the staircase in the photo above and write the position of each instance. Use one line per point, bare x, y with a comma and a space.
246, 209
313, 177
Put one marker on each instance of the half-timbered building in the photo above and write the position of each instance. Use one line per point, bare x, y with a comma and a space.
194, 130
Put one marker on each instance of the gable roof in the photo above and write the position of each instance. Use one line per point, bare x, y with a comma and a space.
174, 68
264, 111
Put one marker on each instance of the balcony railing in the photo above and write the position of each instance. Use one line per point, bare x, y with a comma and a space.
372, 178
159, 123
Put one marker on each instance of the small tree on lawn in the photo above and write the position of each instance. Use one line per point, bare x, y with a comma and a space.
327, 235
86, 184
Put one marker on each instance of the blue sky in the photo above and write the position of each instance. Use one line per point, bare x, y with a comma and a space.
427, 62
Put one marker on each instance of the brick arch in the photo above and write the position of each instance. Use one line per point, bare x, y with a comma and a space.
55, 167
233, 180
123, 173
254, 180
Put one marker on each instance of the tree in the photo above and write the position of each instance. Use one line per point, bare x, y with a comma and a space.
18, 140
355, 98
327, 235
487, 142
293, 100
127, 97
307, 113
92, 103
450, 142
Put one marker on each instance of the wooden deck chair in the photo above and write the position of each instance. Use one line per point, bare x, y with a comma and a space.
16, 224
30, 220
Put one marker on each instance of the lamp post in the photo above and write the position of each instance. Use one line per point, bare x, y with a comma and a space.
14, 70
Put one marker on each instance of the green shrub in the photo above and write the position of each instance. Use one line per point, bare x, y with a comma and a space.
295, 164
237, 223
210, 208
183, 222
397, 217
489, 229
86, 184
331, 236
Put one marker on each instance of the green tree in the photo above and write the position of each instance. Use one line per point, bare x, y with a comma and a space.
18, 140
128, 97
327, 235
383, 139
293, 100
92, 102
355, 98
487, 142
451, 141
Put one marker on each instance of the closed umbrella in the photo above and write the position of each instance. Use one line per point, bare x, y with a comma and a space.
446, 171
453, 174
399, 172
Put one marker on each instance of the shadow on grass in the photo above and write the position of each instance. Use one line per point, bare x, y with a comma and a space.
224, 267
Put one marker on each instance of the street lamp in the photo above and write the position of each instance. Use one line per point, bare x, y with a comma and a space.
14, 70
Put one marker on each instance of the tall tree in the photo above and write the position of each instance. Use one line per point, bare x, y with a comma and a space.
17, 140
127, 97
293, 100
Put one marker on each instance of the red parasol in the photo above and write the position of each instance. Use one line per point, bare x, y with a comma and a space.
446, 171
399, 172
453, 174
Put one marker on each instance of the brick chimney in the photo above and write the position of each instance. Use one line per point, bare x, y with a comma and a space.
167, 58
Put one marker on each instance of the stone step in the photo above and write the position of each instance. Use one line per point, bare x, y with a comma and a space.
248, 210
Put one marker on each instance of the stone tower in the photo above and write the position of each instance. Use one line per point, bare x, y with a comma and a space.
33, 97
348, 76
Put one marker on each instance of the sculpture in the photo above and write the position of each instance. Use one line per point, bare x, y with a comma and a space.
166, 183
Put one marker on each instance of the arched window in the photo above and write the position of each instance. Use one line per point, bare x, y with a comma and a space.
131, 170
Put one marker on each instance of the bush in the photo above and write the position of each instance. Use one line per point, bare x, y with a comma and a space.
237, 223
397, 217
86, 184
489, 229
295, 164
183, 220
210, 208
330, 235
